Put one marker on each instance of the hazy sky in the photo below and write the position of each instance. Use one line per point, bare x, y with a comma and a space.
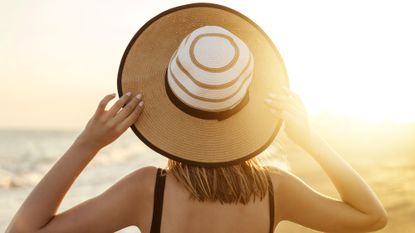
59, 58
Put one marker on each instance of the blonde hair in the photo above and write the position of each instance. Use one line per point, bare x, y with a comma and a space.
228, 184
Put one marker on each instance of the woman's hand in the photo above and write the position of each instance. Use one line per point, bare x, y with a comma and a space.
289, 107
107, 125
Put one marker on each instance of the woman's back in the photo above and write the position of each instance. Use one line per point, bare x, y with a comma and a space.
180, 214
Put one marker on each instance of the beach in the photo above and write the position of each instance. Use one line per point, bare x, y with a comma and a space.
383, 154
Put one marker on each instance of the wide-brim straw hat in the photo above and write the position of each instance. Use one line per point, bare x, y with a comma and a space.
204, 71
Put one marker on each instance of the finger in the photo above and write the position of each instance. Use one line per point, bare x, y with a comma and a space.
283, 115
279, 105
284, 91
287, 104
283, 104
286, 117
293, 95
103, 103
127, 110
281, 92
118, 105
294, 100
277, 93
292, 112
132, 118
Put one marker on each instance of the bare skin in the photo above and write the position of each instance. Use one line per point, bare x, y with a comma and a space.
129, 201
359, 210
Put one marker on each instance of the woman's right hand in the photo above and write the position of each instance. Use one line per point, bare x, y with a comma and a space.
287, 105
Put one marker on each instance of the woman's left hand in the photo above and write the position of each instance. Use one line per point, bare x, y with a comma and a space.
106, 126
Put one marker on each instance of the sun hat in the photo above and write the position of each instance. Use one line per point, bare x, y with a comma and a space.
204, 70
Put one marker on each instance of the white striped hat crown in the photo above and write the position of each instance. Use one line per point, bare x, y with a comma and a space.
211, 70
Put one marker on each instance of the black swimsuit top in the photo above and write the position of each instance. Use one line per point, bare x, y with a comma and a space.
159, 194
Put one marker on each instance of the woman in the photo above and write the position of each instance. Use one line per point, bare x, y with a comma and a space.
130, 201
201, 190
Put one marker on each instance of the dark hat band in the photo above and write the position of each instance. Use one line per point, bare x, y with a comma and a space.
200, 113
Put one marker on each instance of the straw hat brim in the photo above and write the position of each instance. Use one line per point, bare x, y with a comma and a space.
182, 137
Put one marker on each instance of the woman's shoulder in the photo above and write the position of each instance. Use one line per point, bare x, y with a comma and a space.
139, 183
144, 171
139, 192
277, 172
144, 176
280, 177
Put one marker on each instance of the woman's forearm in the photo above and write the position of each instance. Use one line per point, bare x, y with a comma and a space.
351, 187
43, 202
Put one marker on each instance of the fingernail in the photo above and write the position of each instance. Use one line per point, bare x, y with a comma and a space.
138, 96
128, 93
141, 103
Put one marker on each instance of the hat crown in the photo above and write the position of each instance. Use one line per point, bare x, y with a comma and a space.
211, 69
213, 50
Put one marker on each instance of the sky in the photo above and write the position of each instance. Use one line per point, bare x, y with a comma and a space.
59, 58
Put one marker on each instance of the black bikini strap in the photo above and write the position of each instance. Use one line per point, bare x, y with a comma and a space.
158, 200
159, 195
271, 204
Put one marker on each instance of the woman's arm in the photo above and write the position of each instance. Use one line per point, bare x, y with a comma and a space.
39, 208
359, 209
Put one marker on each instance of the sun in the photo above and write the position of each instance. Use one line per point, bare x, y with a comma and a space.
379, 104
